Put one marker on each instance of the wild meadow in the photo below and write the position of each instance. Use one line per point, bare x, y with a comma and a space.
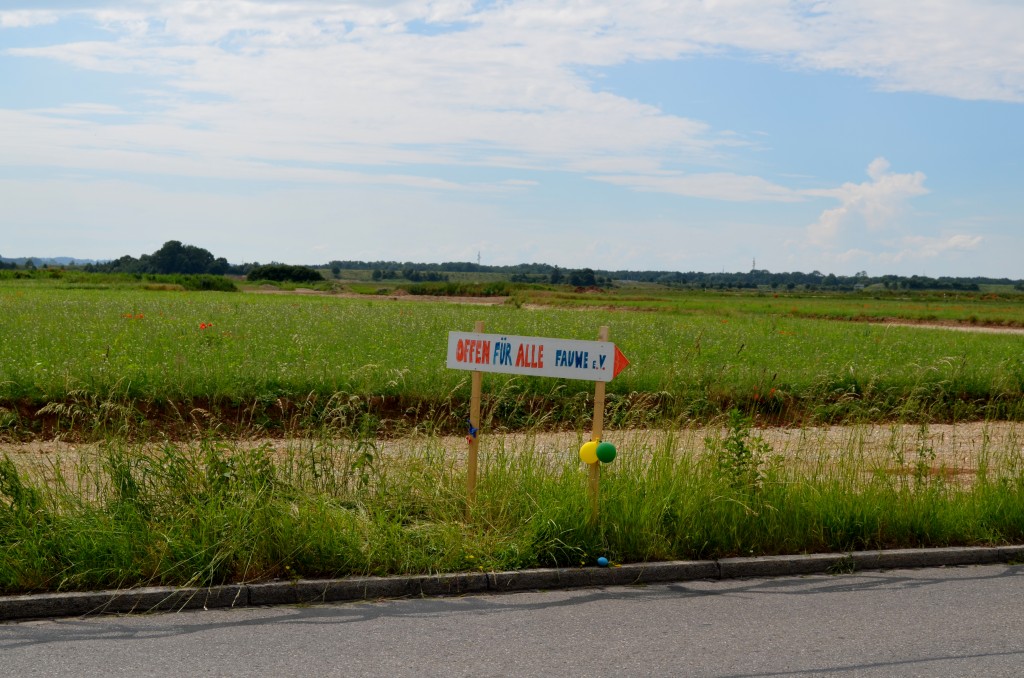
90, 362
228, 437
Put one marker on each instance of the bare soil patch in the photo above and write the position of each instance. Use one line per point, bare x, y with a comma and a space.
397, 295
956, 327
478, 301
949, 450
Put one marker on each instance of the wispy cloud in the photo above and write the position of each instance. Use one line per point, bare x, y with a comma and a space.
715, 186
26, 18
926, 247
499, 85
956, 48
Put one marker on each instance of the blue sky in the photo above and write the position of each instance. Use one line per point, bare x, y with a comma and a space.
831, 135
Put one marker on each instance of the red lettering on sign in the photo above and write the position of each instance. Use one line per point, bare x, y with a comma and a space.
475, 351
530, 355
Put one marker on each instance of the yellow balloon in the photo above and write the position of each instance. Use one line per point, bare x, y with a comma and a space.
588, 453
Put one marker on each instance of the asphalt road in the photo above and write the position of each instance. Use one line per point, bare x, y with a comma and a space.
934, 622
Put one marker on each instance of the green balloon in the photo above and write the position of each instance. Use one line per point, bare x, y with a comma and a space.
606, 452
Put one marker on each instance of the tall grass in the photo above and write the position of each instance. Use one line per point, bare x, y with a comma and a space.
211, 512
112, 361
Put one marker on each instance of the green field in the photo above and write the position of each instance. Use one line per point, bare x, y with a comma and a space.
170, 383
152, 363
1005, 309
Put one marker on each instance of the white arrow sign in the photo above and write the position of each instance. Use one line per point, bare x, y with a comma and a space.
535, 356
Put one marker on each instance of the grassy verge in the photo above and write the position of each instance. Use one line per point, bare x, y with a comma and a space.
215, 512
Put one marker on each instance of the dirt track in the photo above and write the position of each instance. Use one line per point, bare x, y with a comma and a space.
983, 329
400, 295
947, 448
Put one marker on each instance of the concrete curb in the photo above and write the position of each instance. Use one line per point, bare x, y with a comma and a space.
303, 591
146, 599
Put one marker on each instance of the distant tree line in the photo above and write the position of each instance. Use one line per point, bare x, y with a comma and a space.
753, 279
519, 273
814, 280
410, 274
176, 258
284, 272
447, 267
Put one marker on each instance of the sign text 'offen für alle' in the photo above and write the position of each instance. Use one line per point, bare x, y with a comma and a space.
535, 356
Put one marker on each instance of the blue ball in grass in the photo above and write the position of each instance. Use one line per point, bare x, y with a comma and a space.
602, 562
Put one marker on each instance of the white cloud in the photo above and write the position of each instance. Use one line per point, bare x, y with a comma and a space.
26, 18
874, 205
874, 227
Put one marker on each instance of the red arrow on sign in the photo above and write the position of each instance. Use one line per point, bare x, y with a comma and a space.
621, 362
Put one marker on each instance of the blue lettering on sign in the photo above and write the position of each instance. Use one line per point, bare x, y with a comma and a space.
577, 359
502, 352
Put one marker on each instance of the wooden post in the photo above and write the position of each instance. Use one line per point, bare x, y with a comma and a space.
474, 435
594, 484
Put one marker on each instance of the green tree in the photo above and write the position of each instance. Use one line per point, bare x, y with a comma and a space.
174, 257
583, 278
